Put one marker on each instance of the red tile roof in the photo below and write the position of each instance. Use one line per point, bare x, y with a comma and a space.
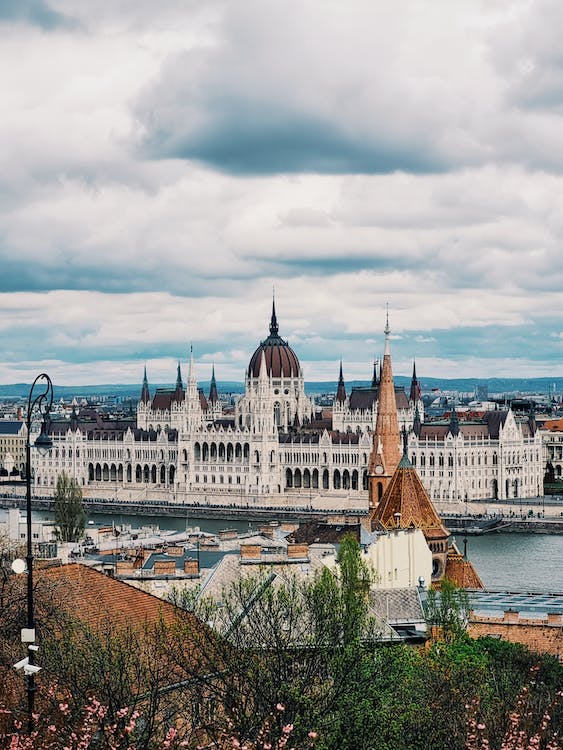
96, 599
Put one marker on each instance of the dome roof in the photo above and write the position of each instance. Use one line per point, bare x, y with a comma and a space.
281, 360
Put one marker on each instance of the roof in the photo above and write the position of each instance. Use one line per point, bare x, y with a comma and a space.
462, 572
405, 494
318, 532
281, 360
10, 428
95, 598
397, 606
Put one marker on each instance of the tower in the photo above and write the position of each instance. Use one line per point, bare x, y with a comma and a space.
414, 394
386, 450
405, 504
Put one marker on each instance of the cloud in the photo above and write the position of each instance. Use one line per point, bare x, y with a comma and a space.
163, 168
35, 12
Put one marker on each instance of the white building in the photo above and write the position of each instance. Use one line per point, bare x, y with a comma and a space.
184, 445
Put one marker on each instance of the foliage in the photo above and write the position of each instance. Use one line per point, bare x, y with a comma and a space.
447, 610
309, 647
70, 516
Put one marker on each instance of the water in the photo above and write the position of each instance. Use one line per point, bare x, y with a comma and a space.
518, 562
507, 561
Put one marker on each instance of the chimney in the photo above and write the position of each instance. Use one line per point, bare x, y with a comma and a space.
124, 567
191, 567
511, 616
250, 551
164, 567
174, 551
295, 550
228, 534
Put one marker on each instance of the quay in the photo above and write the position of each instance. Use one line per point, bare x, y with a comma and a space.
540, 516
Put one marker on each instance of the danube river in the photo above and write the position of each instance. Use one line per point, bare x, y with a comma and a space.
507, 561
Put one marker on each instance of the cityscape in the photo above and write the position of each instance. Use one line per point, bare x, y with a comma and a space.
281, 393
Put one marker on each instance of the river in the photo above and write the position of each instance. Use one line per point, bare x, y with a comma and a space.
506, 561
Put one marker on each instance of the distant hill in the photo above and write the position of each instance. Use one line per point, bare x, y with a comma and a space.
461, 385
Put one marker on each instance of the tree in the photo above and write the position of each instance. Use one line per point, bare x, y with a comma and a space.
447, 610
70, 516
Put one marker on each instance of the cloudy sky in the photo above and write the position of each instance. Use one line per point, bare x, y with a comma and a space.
164, 165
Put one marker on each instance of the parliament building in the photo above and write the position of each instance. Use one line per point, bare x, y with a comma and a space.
275, 442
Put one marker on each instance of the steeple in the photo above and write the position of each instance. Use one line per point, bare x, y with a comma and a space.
179, 386
145, 395
213, 395
386, 451
274, 329
341, 390
414, 394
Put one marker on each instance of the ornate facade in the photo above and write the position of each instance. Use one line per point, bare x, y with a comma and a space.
184, 445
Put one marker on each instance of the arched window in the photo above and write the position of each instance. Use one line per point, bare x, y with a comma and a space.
336, 479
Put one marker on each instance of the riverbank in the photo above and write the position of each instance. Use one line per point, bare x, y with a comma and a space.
538, 517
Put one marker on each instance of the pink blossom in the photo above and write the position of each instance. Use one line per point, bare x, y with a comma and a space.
280, 707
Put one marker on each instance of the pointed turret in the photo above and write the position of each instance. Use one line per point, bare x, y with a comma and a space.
341, 390
415, 391
145, 395
386, 452
213, 395
179, 378
374, 381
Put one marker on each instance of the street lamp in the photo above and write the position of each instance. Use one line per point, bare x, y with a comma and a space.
42, 402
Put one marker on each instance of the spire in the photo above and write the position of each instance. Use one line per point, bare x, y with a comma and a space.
341, 391
191, 369
213, 395
274, 321
387, 332
386, 452
414, 394
179, 378
374, 378
145, 395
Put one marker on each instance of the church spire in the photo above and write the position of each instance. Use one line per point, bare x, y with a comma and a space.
341, 390
213, 395
414, 394
386, 451
145, 395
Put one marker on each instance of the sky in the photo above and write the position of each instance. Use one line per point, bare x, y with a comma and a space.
165, 167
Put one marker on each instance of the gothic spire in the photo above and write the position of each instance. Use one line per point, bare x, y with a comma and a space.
341, 391
374, 378
213, 395
386, 451
179, 378
145, 395
414, 394
274, 329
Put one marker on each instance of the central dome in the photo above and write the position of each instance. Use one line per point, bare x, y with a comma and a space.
281, 360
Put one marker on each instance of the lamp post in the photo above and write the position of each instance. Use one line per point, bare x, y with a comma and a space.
42, 402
